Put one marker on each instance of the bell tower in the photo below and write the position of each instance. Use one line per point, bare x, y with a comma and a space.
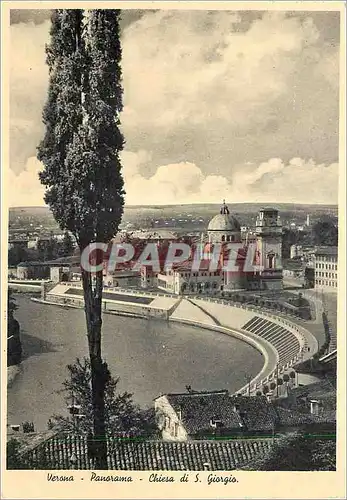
269, 249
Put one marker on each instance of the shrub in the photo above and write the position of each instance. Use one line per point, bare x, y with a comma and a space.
13, 460
28, 427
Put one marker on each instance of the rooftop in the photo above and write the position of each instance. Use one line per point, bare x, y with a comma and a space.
135, 454
224, 221
326, 250
254, 414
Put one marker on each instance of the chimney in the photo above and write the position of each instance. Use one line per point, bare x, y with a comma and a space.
314, 407
179, 413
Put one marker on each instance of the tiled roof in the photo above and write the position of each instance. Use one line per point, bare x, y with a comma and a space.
149, 455
198, 409
293, 418
257, 413
29, 440
323, 390
248, 414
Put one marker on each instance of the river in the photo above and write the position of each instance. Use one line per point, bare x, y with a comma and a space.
149, 356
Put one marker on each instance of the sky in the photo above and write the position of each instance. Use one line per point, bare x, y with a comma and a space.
232, 105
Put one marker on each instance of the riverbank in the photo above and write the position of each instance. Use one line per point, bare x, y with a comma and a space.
150, 357
185, 312
205, 314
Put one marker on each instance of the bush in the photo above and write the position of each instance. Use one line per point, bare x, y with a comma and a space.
28, 427
12, 455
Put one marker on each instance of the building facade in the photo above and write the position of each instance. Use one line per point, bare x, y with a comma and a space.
326, 268
215, 251
269, 249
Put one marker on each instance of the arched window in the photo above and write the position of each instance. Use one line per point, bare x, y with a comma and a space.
223, 238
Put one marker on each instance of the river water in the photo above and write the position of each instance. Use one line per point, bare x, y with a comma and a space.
149, 356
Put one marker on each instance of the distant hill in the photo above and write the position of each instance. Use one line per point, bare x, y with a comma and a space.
194, 217
235, 207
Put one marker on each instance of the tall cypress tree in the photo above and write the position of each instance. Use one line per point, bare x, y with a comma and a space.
80, 153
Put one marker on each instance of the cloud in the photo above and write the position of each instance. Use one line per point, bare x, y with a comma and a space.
271, 181
210, 97
223, 95
28, 84
25, 189
185, 182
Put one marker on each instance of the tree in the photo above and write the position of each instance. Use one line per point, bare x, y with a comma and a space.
13, 459
325, 233
298, 451
11, 305
16, 255
16, 459
121, 414
47, 249
289, 238
67, 246
80, 154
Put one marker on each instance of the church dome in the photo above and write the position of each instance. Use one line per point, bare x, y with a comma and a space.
224, 221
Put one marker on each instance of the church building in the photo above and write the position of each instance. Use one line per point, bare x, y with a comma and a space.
224, 231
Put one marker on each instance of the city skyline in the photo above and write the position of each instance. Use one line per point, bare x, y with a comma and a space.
200, 130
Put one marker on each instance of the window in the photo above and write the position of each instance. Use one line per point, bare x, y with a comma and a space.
175, 429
